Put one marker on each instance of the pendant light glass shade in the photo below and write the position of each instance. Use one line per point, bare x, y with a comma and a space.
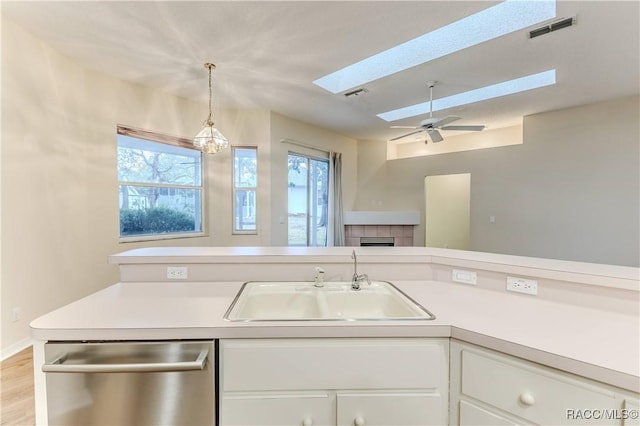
210, 140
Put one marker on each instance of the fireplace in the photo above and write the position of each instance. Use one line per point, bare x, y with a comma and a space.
394, 235
377, 241
380, 228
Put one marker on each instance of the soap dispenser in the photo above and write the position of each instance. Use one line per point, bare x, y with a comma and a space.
319, 277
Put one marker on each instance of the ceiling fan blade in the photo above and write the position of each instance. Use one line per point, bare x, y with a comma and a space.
448, 119
404, 136
435, 136
467, 128
403, 127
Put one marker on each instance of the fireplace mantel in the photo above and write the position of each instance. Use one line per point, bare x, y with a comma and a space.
363, 217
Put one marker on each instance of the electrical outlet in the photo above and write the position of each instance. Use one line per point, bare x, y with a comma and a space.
522, 285
177, 272
16, 314
465, 277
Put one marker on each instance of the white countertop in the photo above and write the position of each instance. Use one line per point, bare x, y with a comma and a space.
598, 344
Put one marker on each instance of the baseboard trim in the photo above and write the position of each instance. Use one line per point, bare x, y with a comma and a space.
13, 349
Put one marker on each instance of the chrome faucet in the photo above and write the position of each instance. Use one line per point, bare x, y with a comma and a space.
355, 281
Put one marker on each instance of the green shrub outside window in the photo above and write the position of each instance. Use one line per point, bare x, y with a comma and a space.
160, 188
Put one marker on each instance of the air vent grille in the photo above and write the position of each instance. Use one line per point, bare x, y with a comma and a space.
554, 26
562, 24
356, 92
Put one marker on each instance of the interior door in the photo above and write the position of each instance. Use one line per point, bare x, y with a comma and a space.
447, 211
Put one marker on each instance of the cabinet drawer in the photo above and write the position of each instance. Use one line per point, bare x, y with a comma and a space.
631, 408
529, 391
472, 415
277, 410
394, 408
310, 364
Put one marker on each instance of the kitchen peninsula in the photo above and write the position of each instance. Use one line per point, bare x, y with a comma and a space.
580, 335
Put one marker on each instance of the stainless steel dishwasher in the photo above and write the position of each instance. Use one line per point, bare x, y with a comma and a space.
131, 383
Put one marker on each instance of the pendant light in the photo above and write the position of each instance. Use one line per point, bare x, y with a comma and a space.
210, 140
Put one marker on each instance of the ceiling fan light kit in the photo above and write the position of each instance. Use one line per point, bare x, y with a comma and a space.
431, 125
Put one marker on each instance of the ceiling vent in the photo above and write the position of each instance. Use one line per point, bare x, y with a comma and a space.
554, 26
356, 92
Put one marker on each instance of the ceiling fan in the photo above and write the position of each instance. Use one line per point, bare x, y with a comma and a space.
431, 125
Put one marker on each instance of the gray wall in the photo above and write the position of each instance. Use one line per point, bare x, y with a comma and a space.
570, 191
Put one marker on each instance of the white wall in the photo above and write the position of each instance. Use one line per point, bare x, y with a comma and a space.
570, 191
266, 129
489, 138
242, 128
286, 128
59, 181
2, 310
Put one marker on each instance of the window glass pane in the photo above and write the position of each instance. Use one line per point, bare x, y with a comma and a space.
245, 167
319, 178
245, 214
307, 201
245, 181
297, 200
154, 210
160, 187
151, 162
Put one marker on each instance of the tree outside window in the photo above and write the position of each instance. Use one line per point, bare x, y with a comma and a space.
160, 189
308, 198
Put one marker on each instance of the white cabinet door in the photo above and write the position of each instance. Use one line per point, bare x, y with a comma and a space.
363, 381
392, 408
301, 409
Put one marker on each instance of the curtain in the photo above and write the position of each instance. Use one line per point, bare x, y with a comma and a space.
336, 221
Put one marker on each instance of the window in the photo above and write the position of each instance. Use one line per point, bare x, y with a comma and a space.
245, 178
308, 200
160, 185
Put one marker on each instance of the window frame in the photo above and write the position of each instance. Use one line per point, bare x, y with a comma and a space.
309, 158
235, 231
177, 141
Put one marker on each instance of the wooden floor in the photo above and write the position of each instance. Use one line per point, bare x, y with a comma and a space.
17, 406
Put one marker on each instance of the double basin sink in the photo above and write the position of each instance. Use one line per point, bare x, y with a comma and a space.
334, 301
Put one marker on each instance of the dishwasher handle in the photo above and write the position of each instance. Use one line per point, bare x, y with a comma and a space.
58, 366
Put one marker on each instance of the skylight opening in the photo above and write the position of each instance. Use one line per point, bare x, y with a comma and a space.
529, 82
491, 23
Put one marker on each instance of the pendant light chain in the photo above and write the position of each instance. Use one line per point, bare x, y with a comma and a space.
211, 67
210, 140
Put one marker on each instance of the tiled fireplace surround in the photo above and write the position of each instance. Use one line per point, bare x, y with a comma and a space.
402, 234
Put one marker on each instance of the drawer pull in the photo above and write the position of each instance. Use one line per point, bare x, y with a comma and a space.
358, 421
527, 399
307, 422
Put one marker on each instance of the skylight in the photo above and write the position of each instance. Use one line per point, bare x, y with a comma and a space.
491, 23
533, 81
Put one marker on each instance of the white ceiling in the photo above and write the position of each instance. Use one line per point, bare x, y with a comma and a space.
268, 53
